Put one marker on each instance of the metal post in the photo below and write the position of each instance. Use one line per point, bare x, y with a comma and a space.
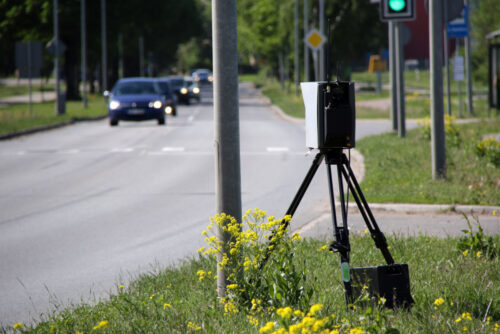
468, 61
120, 56
459, 83
226, 118
104, 54
392, 70
436, 84
400, 80
141, 56
30, 98
446, 57
59, 109
296, 58
84, 54
322, 48
306, 48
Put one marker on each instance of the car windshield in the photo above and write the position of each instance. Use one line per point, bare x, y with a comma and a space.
164, 87
177, 83
135, 88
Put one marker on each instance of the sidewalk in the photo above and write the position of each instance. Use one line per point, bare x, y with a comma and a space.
36, 97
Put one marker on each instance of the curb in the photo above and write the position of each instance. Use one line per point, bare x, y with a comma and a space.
19, 133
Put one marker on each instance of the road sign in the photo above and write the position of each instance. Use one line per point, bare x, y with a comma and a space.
29, 59
459, 27
397, 10
315, 39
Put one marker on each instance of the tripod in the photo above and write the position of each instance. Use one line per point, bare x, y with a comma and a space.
391, 281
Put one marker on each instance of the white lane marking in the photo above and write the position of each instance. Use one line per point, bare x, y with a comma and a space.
122, 150
190, 118
21, 153
277, 149
173, 149
70, 151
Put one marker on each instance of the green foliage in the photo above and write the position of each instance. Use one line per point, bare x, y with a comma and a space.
478, 244
489, 149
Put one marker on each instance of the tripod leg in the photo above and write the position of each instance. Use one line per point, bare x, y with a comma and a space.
341, 243
377, 235
295, 202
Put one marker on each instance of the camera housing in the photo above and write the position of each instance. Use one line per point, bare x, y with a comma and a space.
330, 114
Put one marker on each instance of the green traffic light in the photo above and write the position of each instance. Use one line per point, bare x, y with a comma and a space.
397, 5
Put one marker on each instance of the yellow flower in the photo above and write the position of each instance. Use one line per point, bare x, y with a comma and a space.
356, 330
479, 253
200, 250
465, 252
101, 324
232, 286
494, 212
252, 320
285, 312
318, 325
315, 308
267, 328
308, 321
295, 329
458, 319
166, 305
298, 313
381, 300
201, 274
18, 325
439, 301
322, 248
230, 308
466, 316
296, 237
193, 326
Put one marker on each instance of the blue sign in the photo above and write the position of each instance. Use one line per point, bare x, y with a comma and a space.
459, 27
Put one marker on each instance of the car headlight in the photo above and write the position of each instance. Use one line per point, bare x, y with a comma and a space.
184, 90
113, 105
156, 104
196, 90
169, 110
211, 78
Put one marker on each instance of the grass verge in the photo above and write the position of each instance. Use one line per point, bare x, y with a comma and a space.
453, 293
399, 169
17, 117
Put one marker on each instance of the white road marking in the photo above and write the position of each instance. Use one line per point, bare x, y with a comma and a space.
277, 149
190, 118
122, 150
173, 149
70, 151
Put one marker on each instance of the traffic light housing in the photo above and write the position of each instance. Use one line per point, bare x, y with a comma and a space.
397, 10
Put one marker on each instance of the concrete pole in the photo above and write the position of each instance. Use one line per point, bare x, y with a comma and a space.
104, 47
59, 105
226, 118
392, 70
306, 48
296, 58
436, 83
322, 75
468, 68
84, 54
446, 58
400, 80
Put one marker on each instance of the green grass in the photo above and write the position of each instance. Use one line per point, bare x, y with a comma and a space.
17, 117
8, 90
399, 169
174, 300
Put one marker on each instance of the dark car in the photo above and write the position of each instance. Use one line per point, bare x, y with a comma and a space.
136, 99
193, 89
170, 97
180, 88
203, 76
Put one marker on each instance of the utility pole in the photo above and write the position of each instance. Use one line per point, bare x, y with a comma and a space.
104, 46
436, 83
446, 57
392, 71
400, 79
84, 54
226, 120
468, 61
306, 48
296, 58
322, 49
59, 103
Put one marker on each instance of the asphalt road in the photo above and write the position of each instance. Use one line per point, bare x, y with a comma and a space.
87, 207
